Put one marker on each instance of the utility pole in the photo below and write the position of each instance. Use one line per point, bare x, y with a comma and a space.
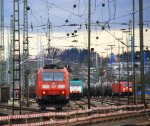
119, 68
141, 51
123, 60
128, 60
49, 49
7, 59
89, 50
127, 46
100, 77
127, 65
133, 51
2, 54
49, 40
38, 51
107, 70
111, 48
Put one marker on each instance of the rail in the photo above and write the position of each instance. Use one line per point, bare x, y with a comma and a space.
61, 118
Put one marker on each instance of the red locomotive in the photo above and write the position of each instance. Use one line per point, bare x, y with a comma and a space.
52, 86
122, 88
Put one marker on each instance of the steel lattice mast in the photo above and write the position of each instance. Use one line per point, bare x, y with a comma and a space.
2, 55
11, 52
16, 56
25, 52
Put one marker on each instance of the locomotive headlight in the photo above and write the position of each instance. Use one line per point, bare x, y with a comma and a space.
44, 92
44, 86
53, 82
61, 86
63, 92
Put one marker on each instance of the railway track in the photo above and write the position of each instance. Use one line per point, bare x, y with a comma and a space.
113, 101
7, 109
81, 104
78, 105
83, 117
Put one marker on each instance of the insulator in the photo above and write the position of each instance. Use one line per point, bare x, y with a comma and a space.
97, 22
74, 6
86, 26
31, 26
103, 4
66, 21
75, 31
103, 27
27, 7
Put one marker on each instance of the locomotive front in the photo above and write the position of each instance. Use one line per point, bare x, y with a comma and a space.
52, 87
76, 89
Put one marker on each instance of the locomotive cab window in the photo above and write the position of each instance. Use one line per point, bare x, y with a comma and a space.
53, 76
126, 85
59, 76
47, 76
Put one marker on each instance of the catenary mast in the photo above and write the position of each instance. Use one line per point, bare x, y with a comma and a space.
11, 53
25, 64
2, 54
16, 57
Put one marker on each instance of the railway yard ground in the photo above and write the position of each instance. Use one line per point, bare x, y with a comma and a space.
103, 112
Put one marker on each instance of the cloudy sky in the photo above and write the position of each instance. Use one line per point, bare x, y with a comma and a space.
69, 17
